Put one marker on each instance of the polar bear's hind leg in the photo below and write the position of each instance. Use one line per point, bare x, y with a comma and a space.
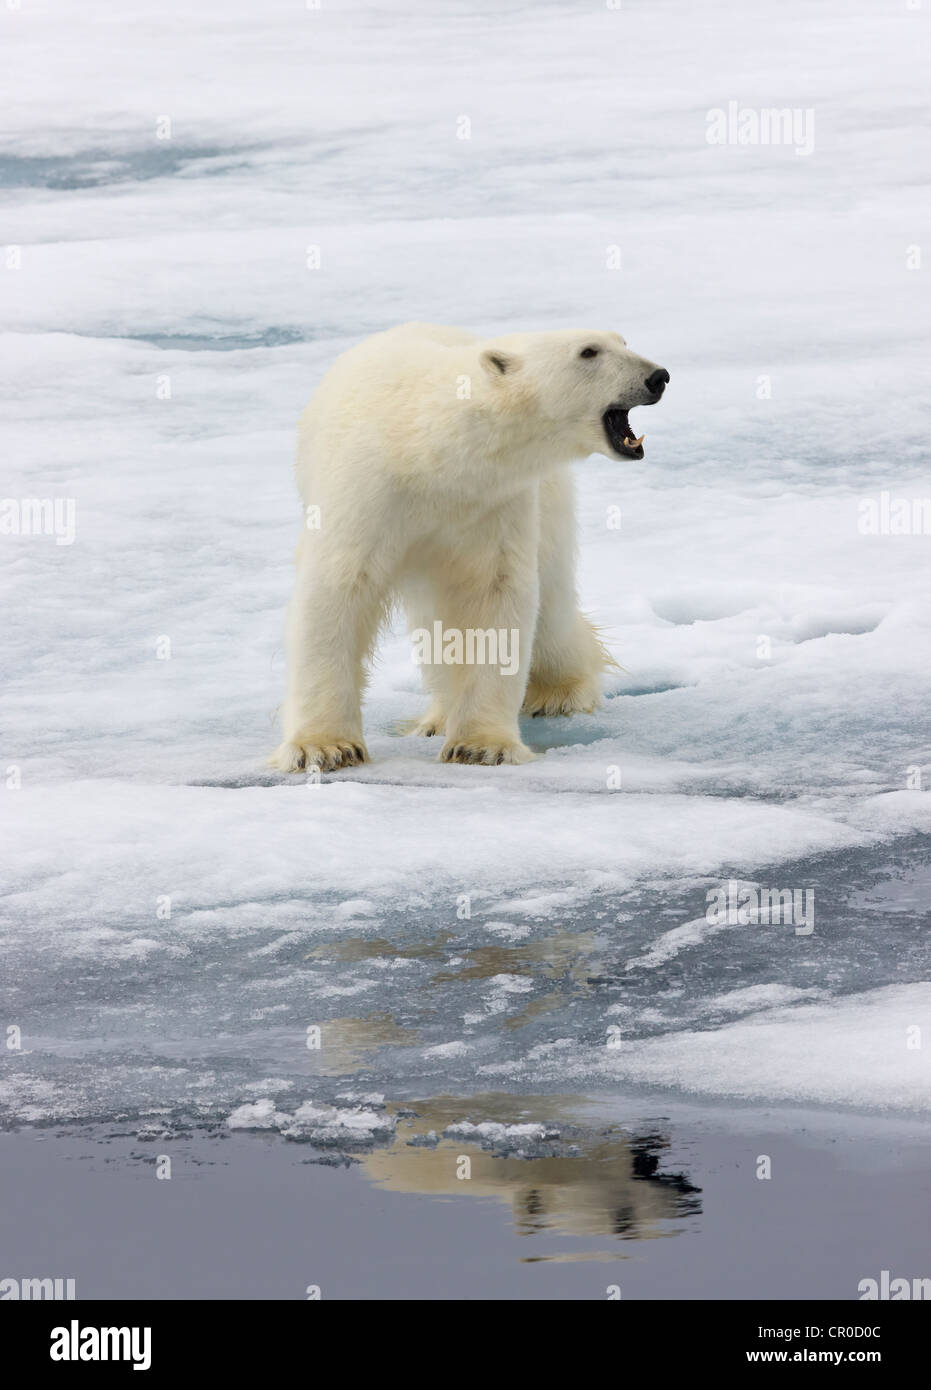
333, 620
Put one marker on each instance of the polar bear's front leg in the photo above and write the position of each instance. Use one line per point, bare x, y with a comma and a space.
332, 623
421, 603
491, 586
568, 656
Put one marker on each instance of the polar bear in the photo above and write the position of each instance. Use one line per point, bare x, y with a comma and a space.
434, 469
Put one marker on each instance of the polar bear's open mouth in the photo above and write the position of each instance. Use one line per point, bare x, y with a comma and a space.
621, 437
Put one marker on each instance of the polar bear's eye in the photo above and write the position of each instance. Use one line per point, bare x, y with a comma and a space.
589, 352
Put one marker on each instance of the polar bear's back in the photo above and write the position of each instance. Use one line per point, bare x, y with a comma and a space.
379, 360
374, 390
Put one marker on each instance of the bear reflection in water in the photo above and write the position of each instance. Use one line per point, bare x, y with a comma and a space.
610, 1186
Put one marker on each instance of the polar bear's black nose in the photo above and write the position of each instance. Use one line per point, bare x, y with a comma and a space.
656, 381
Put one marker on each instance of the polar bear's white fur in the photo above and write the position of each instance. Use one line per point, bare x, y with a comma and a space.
434, 467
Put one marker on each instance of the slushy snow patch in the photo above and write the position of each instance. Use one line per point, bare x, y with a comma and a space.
862, 1050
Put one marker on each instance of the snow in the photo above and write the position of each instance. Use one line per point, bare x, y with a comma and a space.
493, 1134
321, 1125
854, 1050
175, 917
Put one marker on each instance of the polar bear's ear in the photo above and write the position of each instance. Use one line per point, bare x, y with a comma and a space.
497, 363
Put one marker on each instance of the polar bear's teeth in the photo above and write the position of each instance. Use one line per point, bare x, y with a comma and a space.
635, 443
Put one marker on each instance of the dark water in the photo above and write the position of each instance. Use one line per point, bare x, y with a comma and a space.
676, 1212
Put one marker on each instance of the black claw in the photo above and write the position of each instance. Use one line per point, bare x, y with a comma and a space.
499, 760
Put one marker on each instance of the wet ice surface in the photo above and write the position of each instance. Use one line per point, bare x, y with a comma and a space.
586, 963
211, 1010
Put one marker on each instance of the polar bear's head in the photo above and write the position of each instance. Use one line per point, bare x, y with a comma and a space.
576, 385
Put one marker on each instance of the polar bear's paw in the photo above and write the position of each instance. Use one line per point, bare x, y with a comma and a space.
491, 751
570, 695
327, 756
431, 723
425, 728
